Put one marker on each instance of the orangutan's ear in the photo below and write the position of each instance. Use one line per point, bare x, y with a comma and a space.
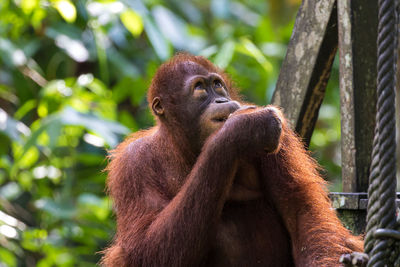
157, 106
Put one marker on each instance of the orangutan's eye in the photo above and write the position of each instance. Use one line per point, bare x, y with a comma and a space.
218, 84
199, 86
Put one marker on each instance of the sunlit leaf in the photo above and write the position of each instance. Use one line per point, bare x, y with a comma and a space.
28, 158
60, 210
53, 131
10, 191
7, 258
104, 7
68, 38
132, 21
66, 9
101, 46
171, 27
136, 5
97, 205
249, 48
274, 49
225, 54
176, 30
12, 128
28, 6
209, 51
191, 12
94, 85
25, 108
38, 15
33, 239
42, 109
109, 130
10, 54
156, 39
265, 32
245, 14
220, 8
7, 94
25, 179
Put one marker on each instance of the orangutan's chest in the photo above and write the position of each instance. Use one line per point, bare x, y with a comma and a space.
250, 233
246, 185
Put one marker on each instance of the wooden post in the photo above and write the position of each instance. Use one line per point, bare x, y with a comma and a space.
304, 74
358, 24
306, 69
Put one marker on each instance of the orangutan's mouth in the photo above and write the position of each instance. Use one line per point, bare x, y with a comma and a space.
221, 112
220, 119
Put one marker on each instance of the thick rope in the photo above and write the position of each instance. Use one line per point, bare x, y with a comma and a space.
373, 196
382, 191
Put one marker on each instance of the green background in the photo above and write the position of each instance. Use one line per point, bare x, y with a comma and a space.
73, 80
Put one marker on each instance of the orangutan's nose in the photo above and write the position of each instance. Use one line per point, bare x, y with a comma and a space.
220, 100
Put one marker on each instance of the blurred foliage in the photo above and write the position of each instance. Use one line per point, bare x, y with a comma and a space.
73, 79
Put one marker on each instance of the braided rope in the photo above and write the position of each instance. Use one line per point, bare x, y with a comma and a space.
382, 191
373, 196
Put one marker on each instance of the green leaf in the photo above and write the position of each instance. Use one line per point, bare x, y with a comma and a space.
38, 15
225, 54
250, 49
121, 64
11, 55
33, 239
98, 206
10, 191
127, 119
132, 21
12, 128
122, 89
176, 30
68, 37
209, 51
265, 31
28, 6
157, 40
7, 258
109, 130
59, 210
135, 88
25, 108
273, 49
220, 8
171, 27
28, 158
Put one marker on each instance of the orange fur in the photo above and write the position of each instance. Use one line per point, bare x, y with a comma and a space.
172, 198
301, 196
